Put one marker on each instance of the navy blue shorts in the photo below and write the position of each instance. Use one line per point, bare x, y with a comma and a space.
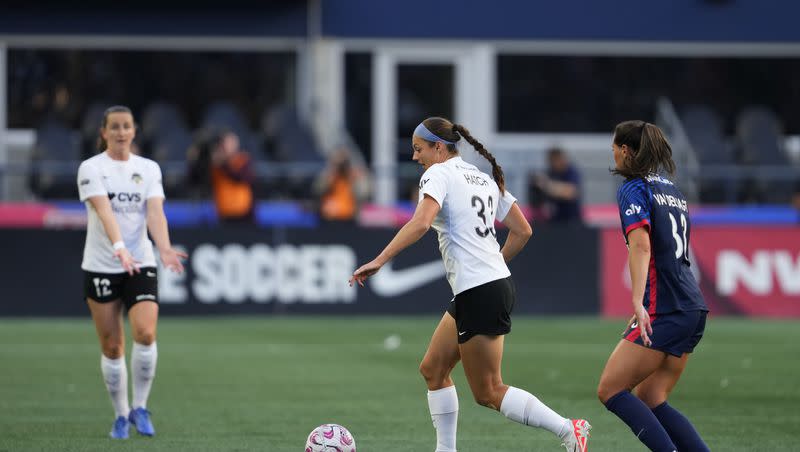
675, 333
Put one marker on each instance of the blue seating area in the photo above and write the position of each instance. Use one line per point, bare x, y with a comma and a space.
164, 134
731, 166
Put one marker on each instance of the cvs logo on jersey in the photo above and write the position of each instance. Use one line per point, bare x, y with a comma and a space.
126, 197
633, 209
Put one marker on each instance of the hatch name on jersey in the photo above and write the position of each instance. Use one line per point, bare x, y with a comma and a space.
671, 201
475, 180
233, 273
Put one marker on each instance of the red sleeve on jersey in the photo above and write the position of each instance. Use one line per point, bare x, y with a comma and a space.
639, 224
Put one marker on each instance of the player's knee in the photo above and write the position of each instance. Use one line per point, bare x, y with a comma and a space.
144, 336
605, 391
425, 370
113, 349
432, 372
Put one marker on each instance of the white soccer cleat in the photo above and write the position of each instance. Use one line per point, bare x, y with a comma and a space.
578, 439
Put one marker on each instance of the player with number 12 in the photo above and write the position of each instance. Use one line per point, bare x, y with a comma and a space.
669, 313
462, 203
124, 200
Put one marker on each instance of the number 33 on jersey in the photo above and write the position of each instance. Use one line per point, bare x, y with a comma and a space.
470, 202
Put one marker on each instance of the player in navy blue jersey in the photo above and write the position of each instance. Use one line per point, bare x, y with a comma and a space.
669, 310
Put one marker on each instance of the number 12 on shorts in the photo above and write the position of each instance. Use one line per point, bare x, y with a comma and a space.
101, 286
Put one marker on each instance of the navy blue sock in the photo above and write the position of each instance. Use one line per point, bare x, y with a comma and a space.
679, 428
641, 420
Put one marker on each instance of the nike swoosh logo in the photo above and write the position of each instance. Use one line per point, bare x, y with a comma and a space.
389, 282
462, 333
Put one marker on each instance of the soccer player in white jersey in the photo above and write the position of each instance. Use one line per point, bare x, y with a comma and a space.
462, 203
124, 199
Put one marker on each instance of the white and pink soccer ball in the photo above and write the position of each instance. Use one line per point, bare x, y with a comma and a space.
330, 438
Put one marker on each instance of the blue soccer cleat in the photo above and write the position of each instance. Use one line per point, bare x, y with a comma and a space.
120, 428
140, 418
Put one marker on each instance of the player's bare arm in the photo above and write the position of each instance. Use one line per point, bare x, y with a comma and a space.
102, 205
157, 225
638, 261
519, 231
412, 231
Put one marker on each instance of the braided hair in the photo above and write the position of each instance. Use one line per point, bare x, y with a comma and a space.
445, 129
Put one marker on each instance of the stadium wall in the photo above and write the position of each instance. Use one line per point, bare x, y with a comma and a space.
252, 270
742, 270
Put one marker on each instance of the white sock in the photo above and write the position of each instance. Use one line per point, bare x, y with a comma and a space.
523, 407
143, 370
443, 404
115, 374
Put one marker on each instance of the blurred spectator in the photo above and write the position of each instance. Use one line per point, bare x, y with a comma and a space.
341, 186
559, 188
198, 160
64, 105
231, 179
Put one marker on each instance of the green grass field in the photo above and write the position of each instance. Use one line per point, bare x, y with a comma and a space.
262, 384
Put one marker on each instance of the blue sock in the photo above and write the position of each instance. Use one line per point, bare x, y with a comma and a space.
641, 420
679, 428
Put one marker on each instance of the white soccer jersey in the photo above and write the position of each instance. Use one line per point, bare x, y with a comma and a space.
470, 202
128, 185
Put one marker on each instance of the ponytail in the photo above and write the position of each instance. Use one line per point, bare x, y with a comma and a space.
650, 152
450, 133
655, 141
497, 171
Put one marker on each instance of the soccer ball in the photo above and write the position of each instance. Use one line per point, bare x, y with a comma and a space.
330, 438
